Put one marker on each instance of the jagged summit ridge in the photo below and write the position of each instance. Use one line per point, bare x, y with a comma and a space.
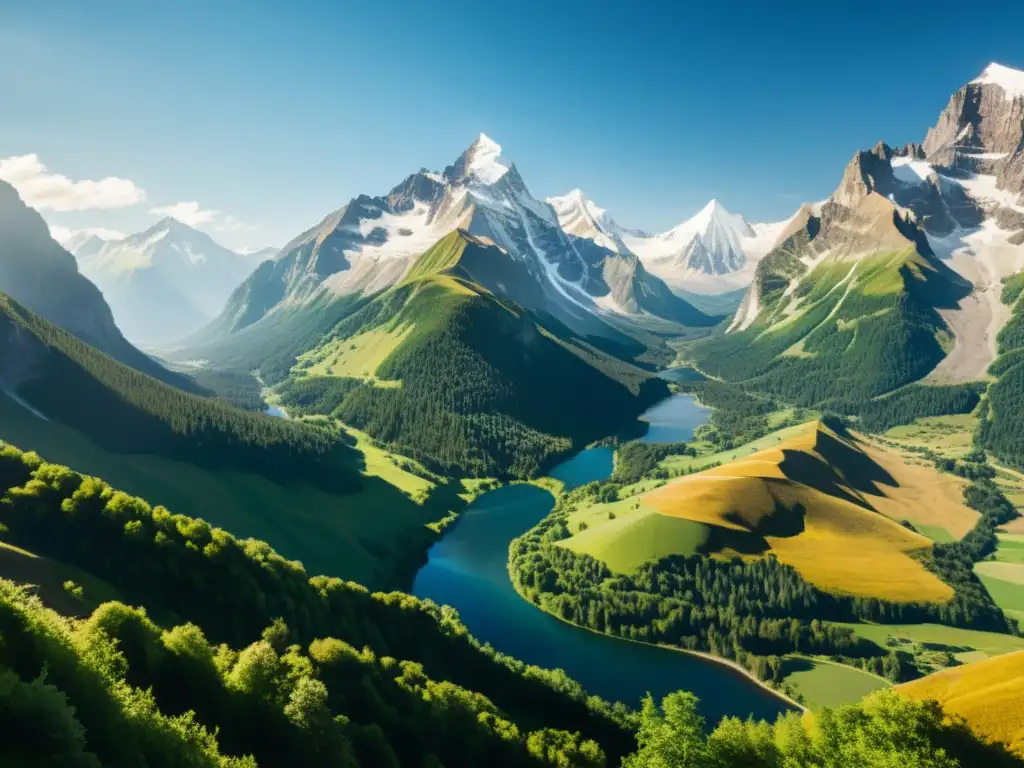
371, 243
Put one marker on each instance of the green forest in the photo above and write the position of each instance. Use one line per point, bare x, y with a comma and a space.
484, 389
1001, 429
152, 417
232, 650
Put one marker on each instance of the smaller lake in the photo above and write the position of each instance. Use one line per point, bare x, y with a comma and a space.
674, 420
273, 410
683, 374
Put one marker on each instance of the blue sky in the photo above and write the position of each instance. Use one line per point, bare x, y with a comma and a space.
268, 116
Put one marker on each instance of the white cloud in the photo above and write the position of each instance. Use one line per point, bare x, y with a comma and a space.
48, 191
191, 213
188, 213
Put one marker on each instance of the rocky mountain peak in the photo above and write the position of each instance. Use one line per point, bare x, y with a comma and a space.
982, 124
1011, 81
482, 162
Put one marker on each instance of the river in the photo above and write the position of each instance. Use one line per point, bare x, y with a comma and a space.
467, 569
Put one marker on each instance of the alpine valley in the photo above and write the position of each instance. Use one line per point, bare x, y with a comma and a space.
461, 476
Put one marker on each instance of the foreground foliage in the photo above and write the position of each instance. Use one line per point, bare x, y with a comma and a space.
884, 731
228, 592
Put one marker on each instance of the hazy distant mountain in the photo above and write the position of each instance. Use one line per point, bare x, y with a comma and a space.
38, 273
166, 282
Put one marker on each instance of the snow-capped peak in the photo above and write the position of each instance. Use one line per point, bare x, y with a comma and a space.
1010, 80
714, 216
581, 217
485, 162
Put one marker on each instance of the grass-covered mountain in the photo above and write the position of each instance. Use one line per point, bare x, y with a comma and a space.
61, 378
38, 273
447, 371
847, 306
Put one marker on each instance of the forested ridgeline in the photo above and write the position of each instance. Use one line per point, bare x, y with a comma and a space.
449, 697
125, 411
1001, 429
753, 611
484, 390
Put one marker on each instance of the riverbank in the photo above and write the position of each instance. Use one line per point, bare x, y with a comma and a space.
734, 667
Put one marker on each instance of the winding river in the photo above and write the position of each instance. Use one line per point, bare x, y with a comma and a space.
467, 569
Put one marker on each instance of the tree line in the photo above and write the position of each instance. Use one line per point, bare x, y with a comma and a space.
753, 611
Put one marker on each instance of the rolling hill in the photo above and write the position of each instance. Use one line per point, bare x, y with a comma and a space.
988, 694
446, 371
831, 506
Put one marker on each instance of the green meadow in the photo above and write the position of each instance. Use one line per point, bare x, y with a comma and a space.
376, 536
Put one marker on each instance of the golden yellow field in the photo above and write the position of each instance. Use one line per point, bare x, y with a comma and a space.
989, 694
922, 495
815, 501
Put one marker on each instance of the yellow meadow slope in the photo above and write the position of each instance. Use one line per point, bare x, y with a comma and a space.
822, 503
988, 694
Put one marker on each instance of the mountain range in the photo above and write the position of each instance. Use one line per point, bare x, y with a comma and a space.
711, 253
371, 243
897, 276
166, 282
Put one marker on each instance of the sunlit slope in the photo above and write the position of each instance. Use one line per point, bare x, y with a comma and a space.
989, 694
444, 370
818, 501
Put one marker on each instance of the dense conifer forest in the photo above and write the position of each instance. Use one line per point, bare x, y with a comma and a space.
1001, 429
125, 411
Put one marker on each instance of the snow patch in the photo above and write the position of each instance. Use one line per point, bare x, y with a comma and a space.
911, 171
1010, 80
486, 163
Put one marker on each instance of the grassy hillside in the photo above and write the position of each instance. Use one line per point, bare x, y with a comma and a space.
989, 694
239, 652
375, 534
847, 310
444, 371
830, 506
127, 412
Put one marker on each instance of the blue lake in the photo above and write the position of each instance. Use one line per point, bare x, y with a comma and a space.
467, 569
